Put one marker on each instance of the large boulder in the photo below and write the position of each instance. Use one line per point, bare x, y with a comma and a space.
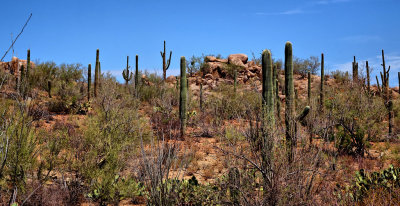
214, 59
171, 79
238, 59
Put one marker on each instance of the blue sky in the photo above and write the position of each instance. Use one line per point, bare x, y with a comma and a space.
71, 31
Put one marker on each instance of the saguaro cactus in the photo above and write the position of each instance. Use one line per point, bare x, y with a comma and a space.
277, 99
321, 92
49, 88
96, 73
386, 92
22, 80
309, 88
289, 101
398, 74
234, 80
137, 76
355, 70
183, 97
201, 95
126, 74
368, 79
28, 69
89, 83
166, 63
391, 116
268, 88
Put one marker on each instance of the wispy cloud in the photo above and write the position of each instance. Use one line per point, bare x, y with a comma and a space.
288, 12
325, 2
302, 9
362, 38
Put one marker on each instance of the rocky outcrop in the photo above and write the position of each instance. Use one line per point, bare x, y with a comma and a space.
238, 59
13, 66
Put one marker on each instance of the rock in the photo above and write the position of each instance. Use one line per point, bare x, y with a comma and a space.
210, 67
208, 76
171, 79
214, 59
210, 59
238, 59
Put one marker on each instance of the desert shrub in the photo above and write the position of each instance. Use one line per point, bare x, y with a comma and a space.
351, 143
353, 113
225, 106
111, 135
42, 73
341, 77
367, 185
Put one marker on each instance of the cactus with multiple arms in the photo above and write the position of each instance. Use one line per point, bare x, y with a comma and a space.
126, 74
166, 63
183, 98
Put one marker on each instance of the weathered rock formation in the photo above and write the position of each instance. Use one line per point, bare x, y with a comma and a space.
13, 66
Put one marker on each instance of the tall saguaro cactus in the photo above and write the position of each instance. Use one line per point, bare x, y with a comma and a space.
398, 74
28, 69
268, 88
368, 78
386, 92
183, 97
355, 70
289, 101
96, 73
166, 63
309, 87
321, 92
89, 84
137, 76
126, 74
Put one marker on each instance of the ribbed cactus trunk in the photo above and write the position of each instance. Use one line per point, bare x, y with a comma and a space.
127, 72
22, 81
201, 95
398, 75
289, 100
391, 116
321, 92
268, 123
28, 70
234, 80
96, 73
277, 98
309, 88
166, 62
355, 70
49, 88
89, 83
310, 128
268, 87
137, 76
183, 98
368, 78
